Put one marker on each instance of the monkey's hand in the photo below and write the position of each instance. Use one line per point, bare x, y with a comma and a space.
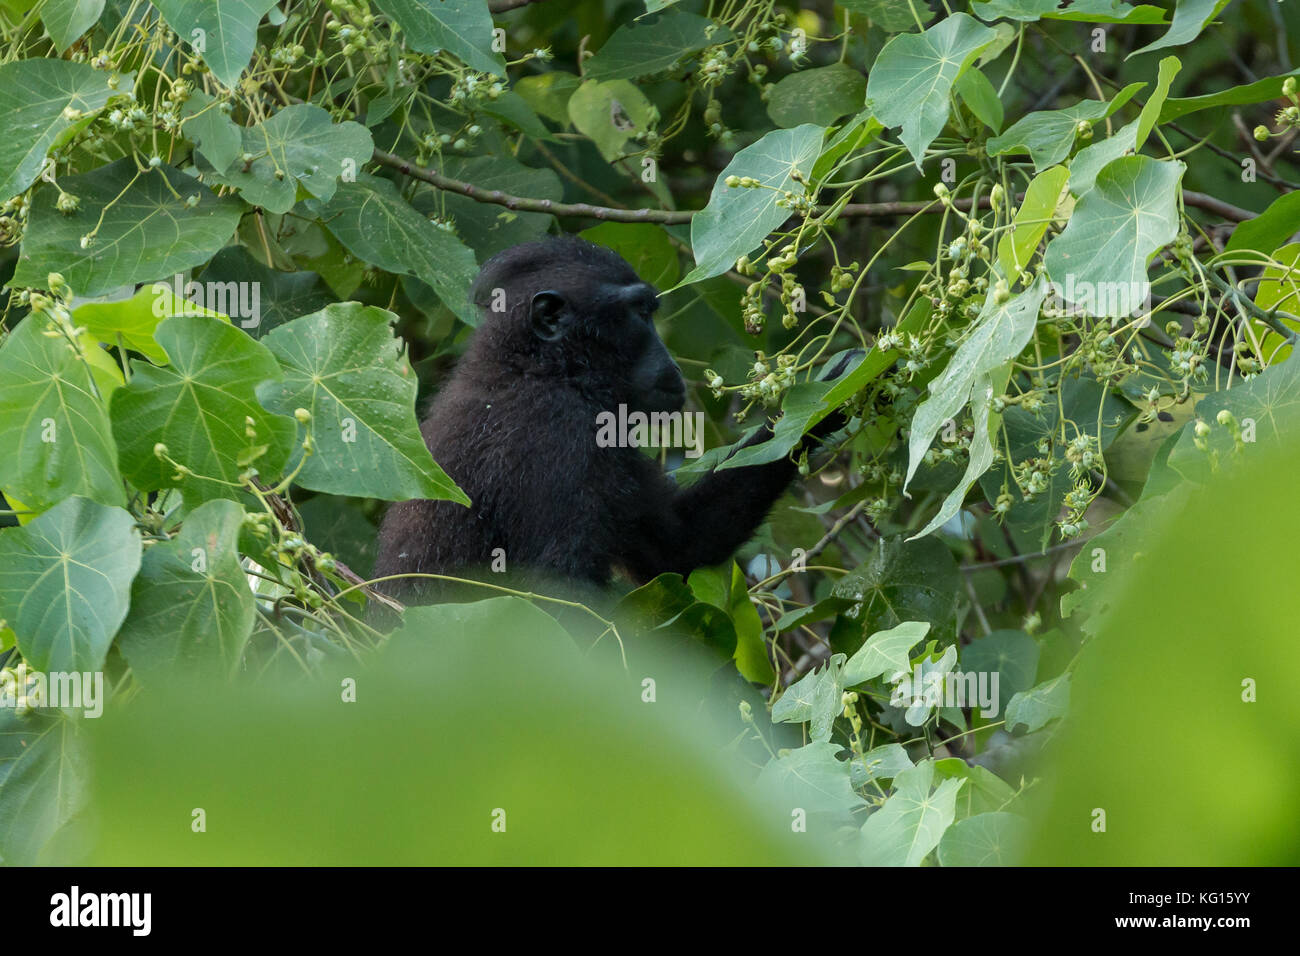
836, 419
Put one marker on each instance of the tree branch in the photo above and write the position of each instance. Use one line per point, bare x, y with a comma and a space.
672, 217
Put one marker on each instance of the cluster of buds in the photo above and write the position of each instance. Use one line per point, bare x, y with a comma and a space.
715, 64
1288, 117
794, 299
55, 305
1248, 364
287, 55
130, 119
352, 24
1032, 476
1186, 359
874, 472
751, 307
434, 142
1071, 526
843, 277
473, 88
767, 386
951, 450
849, 703
1083, 453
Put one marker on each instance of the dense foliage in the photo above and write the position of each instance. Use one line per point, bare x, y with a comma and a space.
238, 239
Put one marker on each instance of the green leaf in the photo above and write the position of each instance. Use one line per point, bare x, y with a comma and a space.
1169, 68
1049, 135
1016, 248
1108, 11
644, 245
1012, 655
204, 123
980, 453
885, 653
727, 590
223, 34
1270, 228
53, 425
902, 581
136, 319
375, 224
1086, 405
913, 75
804, 405
484, 227
1117, 228
1261, 91
1279, 288
1190, 18
461, 27
986, 839
1268, 405
985, 791
277, 297
912, 821
40, 100
819, 96
65, 583
549, 93
298, 146
197, 406
513, 110
997, 336
610, 113
978, 93
1088, 162
892, 16
880, 763
813, 699
145, 232
811, 778
67, 20
653, 44
191, 606
345, 366
1035, 707
736, 220
44, 773
1024, 10
854, 134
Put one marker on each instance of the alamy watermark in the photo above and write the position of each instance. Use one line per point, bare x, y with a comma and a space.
930, 688
637, 429
25, 690
242, 301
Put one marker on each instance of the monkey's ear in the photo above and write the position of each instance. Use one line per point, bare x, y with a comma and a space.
548, 312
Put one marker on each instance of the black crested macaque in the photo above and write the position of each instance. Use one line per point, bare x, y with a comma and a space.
567, 333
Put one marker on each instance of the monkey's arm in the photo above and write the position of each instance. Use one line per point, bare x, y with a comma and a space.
687, 528
681, 529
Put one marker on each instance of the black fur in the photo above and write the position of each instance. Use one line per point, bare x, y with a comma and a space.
515, 427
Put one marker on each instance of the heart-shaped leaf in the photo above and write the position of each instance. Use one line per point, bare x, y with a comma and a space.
129, 227
65, 583
198, 407
345, 366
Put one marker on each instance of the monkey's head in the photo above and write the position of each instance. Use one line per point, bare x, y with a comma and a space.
567, 307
